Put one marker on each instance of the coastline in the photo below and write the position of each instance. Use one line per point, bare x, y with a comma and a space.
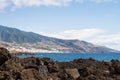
13, 68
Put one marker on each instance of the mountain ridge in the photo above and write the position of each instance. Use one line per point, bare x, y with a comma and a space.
23, 41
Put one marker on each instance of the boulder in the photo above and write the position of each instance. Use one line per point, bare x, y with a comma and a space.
11, 64
4, 55
116, 67
72, 73
53, 68
5, 76
32, 74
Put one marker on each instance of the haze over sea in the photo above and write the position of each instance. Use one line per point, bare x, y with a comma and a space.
65, 57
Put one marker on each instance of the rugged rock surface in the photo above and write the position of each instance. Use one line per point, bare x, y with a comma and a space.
72, 73
4, 55
13, 68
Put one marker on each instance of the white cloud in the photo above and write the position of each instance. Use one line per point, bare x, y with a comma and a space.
96, 36
96, 1
30, 3
111, 40
76, 34
3, 4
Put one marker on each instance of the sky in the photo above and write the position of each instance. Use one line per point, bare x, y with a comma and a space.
95, 21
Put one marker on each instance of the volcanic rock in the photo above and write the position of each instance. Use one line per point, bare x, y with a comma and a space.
4, 55
73, 73
13, 68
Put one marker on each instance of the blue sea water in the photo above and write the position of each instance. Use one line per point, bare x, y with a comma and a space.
64, 57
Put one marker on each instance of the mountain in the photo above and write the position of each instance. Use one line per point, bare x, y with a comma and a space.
15, 35
18, 40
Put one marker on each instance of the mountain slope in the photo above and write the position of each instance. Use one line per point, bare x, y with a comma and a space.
15, 39
18, 36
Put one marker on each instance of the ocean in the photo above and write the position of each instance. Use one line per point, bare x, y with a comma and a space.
65, 57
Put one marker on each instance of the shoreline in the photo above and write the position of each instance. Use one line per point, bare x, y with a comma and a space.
71, 56
13, 68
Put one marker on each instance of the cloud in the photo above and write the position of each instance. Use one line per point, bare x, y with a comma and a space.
95, 36
15, 4
76, 34
3, 4
30, 3
40, 2
111, 40
96, 1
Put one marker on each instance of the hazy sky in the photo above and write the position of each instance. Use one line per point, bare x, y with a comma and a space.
96, 21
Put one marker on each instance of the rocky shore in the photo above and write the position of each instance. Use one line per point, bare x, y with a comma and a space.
13, 68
